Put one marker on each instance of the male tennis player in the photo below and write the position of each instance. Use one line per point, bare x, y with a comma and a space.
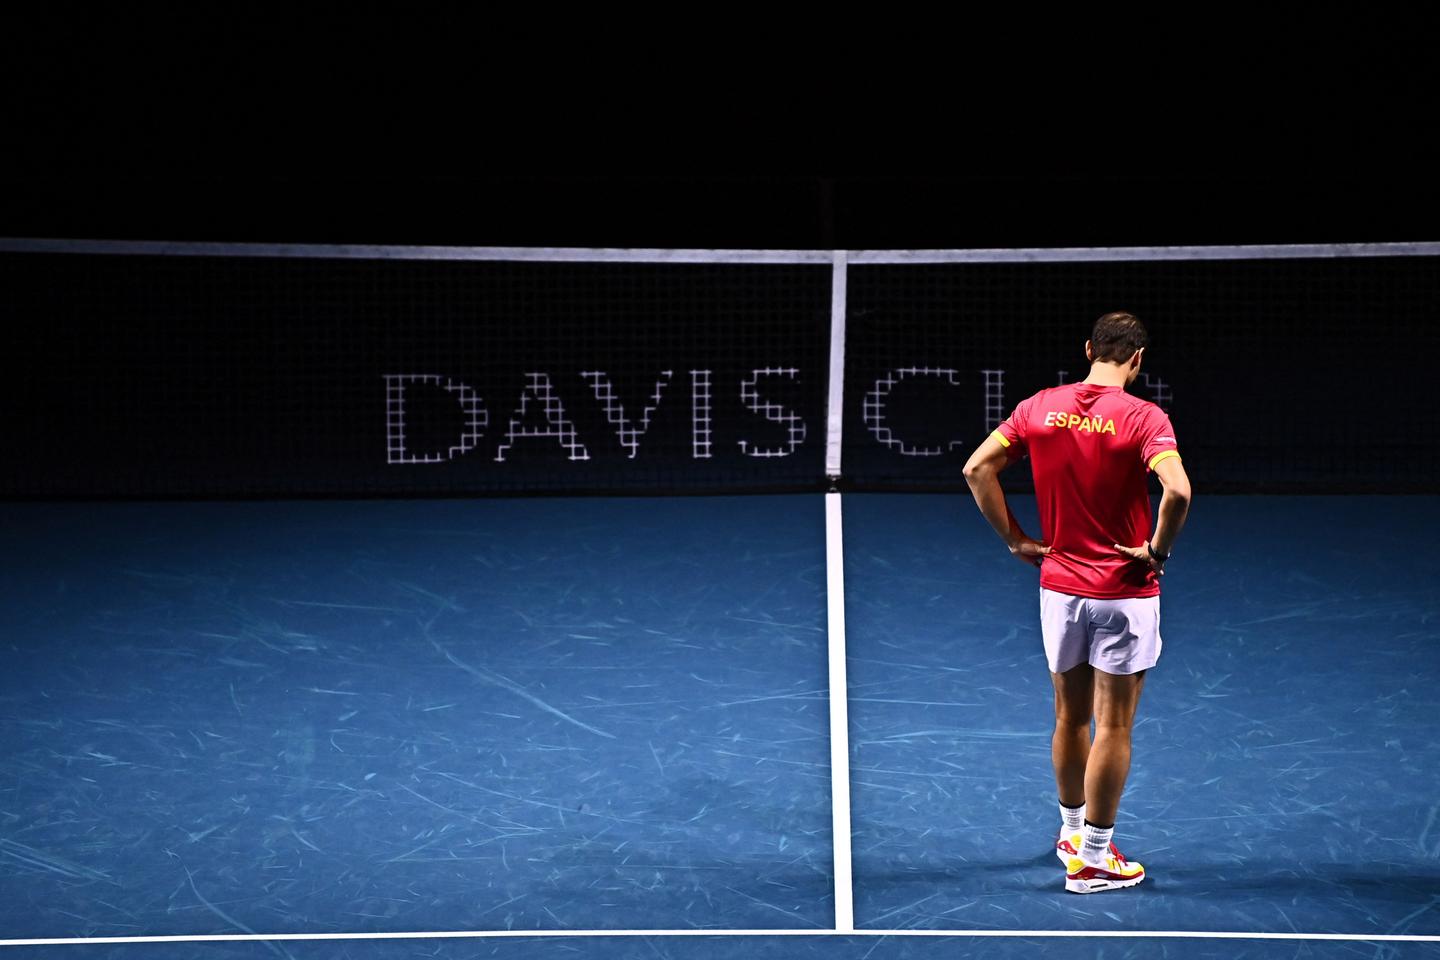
1090, 446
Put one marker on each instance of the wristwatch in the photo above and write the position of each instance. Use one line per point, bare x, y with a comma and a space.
1157, 557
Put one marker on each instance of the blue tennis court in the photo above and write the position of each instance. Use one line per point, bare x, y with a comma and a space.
385, 715
1286, 772
371, 717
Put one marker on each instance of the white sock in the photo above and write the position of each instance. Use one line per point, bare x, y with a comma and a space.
1096, 844
1072, 817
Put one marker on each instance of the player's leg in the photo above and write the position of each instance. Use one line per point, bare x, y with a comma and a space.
1064, 628
1116, 699
1125, 643
1069, 748
1070, 743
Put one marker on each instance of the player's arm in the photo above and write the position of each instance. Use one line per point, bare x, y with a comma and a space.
1174, 504
982, 473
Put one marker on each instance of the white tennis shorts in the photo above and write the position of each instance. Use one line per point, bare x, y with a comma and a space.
1117, 636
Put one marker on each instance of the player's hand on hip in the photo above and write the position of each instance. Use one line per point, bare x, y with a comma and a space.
1029, 550
1141, 554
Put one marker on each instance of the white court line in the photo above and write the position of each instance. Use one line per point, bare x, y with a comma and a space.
839, 715
786, 932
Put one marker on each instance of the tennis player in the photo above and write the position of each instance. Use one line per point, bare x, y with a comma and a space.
1091, 445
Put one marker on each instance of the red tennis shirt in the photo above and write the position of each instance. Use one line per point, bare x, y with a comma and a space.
1090, 449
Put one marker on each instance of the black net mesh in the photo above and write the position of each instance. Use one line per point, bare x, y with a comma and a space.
1278, 374
207, 376
212, 376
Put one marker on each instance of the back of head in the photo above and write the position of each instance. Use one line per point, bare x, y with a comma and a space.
1117, 336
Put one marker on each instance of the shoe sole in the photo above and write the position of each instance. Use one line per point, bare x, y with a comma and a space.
1098, 886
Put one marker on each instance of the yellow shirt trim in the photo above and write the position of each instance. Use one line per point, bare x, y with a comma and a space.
1001, 437
1163, 455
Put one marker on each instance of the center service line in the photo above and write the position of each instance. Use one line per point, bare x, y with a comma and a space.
839, 716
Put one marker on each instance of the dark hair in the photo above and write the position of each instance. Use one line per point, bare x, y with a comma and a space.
1117, 336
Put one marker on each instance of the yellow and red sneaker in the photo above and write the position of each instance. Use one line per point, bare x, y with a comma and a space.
1067, 845
1114, 873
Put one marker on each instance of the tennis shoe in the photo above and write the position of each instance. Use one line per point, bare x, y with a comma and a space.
1113, 873
1067, 845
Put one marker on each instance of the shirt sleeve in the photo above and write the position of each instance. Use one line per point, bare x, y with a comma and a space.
1013, 430
1157, 438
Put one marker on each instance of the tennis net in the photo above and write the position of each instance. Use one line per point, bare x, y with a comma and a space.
208, 370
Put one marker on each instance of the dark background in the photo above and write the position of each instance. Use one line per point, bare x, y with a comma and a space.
378, 130
876, 209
